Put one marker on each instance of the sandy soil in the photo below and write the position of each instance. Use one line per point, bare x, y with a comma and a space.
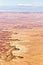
21, 45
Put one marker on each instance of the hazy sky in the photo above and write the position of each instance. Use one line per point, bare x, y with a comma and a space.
21, 2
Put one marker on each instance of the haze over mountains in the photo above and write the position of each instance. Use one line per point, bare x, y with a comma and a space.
20, 20
22, 8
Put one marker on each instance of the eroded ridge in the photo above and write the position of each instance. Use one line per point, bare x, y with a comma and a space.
6, 48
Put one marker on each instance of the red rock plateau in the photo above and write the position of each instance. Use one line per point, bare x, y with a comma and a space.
21, 38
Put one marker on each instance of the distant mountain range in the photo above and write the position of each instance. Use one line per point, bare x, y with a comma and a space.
20, 20
22, 8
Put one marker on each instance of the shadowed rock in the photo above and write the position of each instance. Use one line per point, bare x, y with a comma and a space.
20, 57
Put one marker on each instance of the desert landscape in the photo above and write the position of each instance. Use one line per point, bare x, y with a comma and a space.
21, 38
